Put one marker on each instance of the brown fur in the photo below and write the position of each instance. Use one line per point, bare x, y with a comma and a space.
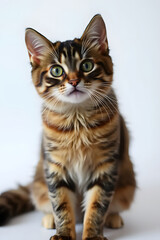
84, 152
15, 202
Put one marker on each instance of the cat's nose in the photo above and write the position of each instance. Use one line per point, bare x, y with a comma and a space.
74, 82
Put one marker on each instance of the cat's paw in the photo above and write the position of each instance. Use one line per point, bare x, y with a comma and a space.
96, 238
114, 221
59, 237
48, 221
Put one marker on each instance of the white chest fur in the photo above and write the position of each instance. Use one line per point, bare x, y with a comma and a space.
80, 170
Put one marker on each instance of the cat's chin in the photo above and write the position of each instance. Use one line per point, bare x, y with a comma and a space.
75, 97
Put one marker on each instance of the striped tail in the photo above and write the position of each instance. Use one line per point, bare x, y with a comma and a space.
14, 202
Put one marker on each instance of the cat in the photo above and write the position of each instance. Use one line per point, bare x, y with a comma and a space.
84, 168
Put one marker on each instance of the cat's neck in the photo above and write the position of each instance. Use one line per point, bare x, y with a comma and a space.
85, 114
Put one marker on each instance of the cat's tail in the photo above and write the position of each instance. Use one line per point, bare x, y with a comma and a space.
15, 202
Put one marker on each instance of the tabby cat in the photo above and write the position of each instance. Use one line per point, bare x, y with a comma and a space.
84, 168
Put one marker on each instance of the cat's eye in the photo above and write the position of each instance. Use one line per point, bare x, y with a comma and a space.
87, 66
57, 71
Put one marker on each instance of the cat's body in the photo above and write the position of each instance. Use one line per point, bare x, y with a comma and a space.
84, 166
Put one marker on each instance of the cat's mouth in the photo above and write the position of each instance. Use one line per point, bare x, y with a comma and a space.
76, 96
75, 92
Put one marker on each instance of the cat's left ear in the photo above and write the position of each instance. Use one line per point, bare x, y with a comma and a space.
95, 34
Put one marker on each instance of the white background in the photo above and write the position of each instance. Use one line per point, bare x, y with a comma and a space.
133, 29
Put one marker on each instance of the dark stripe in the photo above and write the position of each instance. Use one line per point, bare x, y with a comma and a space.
101, 207
12, 204
106, 181
64, 53
68, 47
50, 176
94, 74
74, 51
50, 148
50, 160
104, 162
104, 184
41, 79
109, 144
51, 139
62, 207
59, 184
100, 79
101, 123
109, 134
105, 68
52, 81
76, 48
13, 201
59, 128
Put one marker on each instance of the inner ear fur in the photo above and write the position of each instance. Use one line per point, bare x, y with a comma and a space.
95, 33
37, 45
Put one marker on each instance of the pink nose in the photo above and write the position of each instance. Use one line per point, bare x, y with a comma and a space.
74, 82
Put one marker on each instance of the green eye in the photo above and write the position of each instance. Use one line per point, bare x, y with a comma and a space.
87, 66
57, 71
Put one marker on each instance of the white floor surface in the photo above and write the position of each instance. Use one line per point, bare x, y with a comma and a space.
142, 221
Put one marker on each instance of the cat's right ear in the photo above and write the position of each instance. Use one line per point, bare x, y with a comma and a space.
38, 46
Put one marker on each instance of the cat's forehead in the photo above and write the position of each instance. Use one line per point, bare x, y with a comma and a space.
69, 52
70, 48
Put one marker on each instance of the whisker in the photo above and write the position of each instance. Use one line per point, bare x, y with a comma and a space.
98, 100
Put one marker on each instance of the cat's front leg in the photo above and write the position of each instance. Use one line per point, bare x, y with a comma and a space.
97, 200
61, 193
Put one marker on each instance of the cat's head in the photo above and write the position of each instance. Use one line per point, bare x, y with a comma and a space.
76, 72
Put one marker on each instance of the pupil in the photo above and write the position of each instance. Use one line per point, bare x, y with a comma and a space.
57, 70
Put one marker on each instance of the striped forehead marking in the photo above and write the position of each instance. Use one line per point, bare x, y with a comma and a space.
69, 50
64, 56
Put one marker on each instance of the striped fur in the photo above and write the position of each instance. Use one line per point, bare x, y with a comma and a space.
84, 165
15, 202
